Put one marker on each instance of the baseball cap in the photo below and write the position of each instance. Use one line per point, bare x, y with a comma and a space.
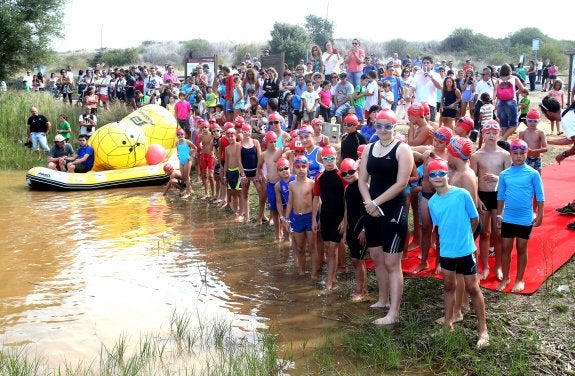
59, 138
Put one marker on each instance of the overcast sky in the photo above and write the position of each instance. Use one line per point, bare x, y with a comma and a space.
121, 24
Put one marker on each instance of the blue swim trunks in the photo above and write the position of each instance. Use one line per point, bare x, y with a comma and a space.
301, 222
270, 187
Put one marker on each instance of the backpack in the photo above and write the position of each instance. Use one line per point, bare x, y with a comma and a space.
505, 91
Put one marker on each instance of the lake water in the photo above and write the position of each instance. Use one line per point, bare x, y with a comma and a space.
80, 269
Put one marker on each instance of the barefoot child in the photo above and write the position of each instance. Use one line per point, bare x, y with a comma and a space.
453, 212
207, 160
488, 162
535, 139
250, 151
269, 158
186, 151
353, 225
517, 186
328, 193
299, 208
282, 192
234, 173
175, 181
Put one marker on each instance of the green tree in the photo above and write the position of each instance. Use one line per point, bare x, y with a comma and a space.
320, 29
197, 48
459, 39
293, 40
27, 28
115, 57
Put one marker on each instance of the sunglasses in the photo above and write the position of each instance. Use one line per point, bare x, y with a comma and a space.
283, 169
343, 174
441, 136
518, 147
437, 174
532, 121
387, 126
180, 135
355, 43
329, 158
216, 131
350, 124
274, 122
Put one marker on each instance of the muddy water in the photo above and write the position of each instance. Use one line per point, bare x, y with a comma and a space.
80, 269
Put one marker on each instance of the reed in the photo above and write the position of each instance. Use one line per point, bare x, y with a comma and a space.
14, 113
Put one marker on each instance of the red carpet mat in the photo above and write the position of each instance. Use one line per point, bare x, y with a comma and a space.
551, 245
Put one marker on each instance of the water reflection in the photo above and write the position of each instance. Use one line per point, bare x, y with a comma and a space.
82, 268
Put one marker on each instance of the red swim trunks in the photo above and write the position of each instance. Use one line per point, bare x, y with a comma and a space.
206, 162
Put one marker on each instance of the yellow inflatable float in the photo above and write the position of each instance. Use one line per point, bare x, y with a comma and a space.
130, 152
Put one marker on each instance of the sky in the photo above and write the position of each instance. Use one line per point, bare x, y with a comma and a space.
122, 24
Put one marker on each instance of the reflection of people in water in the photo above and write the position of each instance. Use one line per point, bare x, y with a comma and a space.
176, 180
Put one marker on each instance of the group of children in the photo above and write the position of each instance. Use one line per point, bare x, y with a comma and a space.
316, 203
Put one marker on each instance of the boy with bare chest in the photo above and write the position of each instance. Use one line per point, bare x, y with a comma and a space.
233, 172
270, 176
488, 162
207, 160
299, 208
535, 139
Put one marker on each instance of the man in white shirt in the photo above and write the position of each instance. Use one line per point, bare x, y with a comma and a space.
426, 84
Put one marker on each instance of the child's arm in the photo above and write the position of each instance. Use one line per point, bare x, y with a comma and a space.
288, 207
315, 209
279, 205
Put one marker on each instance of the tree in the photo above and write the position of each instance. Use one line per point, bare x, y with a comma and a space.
320, 29
115, 57
198, 48
27, 28
293, 40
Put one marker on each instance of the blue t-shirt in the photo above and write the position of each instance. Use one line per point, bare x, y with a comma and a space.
367, 131
451, 213
89, 163
296, 101
517, 186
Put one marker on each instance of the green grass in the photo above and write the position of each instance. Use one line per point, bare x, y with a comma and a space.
212, 348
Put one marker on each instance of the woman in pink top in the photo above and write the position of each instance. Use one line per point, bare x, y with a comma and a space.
557, 93
354, 58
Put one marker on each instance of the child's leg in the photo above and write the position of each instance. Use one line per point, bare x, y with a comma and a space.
212, 182
341, 257
521, 246
332, 252
426, 229
360, 279
449, 287
300, 240
262, 200
484, 242
245, 199
317, 255
277, 225
507, 245
472, 287
497, 245
416, 227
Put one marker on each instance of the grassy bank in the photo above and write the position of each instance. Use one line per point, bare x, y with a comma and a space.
14, 113
210, 348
